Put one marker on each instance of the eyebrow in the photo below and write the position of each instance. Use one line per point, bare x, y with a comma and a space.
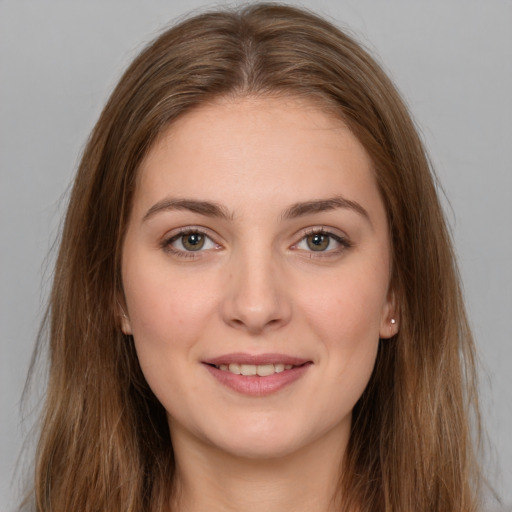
212, 209
324, 205
207, 208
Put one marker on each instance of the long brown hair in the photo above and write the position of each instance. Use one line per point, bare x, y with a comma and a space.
104, 441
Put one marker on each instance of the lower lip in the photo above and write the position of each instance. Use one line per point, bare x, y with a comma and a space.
255, 385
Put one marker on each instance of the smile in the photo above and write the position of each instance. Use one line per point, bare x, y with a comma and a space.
257, 375
262, 370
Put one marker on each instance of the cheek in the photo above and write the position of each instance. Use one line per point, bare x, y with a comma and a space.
164, 307
349, 306
345, 313
168, 317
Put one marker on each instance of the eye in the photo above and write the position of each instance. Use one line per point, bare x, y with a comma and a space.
323, 242
189, 241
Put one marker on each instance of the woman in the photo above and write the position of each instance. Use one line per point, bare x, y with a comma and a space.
256, 304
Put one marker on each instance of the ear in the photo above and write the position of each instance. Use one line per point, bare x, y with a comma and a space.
126, 326
390, 318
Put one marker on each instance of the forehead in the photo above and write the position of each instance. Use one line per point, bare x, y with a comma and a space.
255, 150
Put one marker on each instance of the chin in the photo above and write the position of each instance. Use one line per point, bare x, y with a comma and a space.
265, 440
260, 447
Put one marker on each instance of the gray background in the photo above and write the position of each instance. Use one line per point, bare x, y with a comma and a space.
452, 60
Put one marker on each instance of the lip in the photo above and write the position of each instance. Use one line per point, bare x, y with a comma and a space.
254, 385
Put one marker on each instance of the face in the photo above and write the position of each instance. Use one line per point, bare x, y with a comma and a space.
256, 271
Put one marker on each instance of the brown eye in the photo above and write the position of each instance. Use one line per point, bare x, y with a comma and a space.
324, 243
193, 241
187, 242
318, 241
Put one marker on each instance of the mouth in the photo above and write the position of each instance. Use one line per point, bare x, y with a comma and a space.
257, 375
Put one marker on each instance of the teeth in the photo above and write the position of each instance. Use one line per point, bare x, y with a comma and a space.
262, 370
248, 369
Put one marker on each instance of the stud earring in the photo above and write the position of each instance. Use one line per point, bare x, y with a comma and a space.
393, 321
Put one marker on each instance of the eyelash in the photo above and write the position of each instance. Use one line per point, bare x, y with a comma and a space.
343, 242
168, 247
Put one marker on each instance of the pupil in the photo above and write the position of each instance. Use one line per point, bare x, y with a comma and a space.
194, 239
318, 239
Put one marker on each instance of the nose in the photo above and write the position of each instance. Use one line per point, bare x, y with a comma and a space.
256, 298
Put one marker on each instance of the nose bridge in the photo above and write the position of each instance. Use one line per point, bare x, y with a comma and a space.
255, 297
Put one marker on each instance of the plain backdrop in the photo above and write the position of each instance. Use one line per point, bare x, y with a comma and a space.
451, 59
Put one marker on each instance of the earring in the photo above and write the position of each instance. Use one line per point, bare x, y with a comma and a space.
393, 321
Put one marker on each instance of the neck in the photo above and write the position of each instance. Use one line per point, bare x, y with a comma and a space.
210, 479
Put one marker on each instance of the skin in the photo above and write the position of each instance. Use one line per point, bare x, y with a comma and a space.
257, 287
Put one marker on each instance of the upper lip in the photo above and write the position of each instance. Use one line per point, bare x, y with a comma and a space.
256, 359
